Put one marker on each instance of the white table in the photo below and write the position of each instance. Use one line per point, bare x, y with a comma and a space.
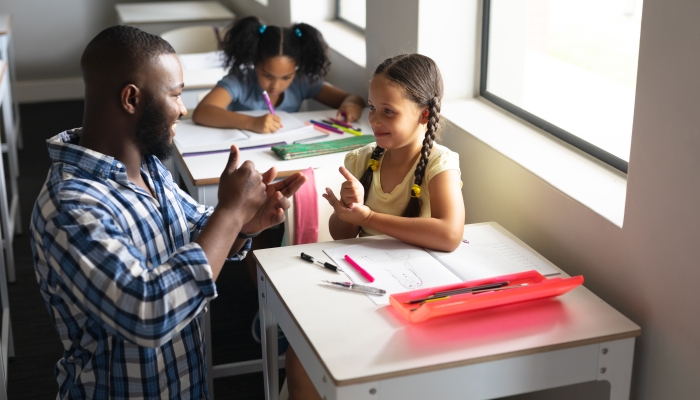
201, 173
159, 17
354, 349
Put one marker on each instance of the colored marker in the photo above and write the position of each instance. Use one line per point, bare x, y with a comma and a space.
345, 124
359, 269
326, 126
343, 128
269, 103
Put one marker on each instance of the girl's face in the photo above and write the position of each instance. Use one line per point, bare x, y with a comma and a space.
395, 120
275, 74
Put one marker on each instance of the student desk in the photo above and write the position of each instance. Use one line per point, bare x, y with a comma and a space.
159, 17
354, 349
201, 173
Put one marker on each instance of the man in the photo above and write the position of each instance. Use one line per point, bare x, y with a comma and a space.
125, 260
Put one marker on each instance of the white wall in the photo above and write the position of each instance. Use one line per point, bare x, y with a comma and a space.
49, 38
648, 270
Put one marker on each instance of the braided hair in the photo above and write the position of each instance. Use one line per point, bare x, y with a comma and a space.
249, 41
421, 81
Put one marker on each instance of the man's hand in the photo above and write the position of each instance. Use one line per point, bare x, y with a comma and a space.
278, 194
354, 213
267, 123
242, 190
351, 191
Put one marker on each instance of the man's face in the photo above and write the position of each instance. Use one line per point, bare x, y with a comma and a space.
162, 108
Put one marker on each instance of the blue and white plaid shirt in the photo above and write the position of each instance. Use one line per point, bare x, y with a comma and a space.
121, 277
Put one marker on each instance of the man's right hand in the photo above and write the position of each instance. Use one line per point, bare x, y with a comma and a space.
267, 123
241, 189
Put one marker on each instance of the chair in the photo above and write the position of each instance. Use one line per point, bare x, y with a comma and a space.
194, 39
9, 201
7, 54
10, 219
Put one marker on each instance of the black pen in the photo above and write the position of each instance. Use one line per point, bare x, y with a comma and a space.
310, 259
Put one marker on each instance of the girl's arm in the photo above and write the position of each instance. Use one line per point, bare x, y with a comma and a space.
340, 229
349, 104
443, 231
211, 111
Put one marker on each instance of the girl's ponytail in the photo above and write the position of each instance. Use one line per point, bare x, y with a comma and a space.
413, 209
313, 58
241, 44
366, 179
250, 41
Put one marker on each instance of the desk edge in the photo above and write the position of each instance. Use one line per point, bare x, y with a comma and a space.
561, 346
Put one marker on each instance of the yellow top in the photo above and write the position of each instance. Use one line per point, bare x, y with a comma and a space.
441, 159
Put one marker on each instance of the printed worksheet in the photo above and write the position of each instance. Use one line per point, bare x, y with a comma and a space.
485, 252
396, 266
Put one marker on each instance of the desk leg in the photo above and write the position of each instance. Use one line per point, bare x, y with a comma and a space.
615, 366
269, 342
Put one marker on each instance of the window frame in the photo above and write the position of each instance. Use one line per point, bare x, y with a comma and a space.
550, 128
345, 21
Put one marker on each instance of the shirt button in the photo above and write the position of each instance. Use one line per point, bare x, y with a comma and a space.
119, 165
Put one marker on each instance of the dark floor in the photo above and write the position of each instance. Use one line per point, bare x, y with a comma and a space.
37, 347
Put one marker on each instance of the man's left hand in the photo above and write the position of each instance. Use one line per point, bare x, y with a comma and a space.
272, 211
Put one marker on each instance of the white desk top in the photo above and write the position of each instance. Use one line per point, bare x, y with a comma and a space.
4, 23
172, 11
206, 169
358, 341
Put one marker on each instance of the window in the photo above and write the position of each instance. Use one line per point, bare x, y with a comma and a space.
567, 66
352, 12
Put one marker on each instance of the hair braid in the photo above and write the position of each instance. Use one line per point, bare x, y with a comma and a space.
366, 179
413, 208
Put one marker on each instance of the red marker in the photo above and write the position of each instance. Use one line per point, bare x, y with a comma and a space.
359, 269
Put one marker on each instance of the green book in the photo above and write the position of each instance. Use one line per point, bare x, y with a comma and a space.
301, 150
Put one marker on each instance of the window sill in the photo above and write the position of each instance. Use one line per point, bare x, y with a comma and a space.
587, 180
344, 40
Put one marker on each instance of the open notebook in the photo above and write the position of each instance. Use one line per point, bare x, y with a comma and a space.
399, 267
191, 138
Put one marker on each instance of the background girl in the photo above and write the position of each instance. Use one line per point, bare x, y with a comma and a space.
404, 185
288, 63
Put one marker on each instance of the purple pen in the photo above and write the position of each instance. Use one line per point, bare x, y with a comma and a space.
269, 103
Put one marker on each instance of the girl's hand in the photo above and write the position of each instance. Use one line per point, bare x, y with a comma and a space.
355, 214
351, 191
267, 123
351, 110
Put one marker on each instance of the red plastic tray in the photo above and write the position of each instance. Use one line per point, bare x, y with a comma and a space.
538, 287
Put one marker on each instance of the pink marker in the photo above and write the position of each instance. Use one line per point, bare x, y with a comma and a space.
359, 269
269, 103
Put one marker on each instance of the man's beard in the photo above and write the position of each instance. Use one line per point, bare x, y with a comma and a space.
153, 131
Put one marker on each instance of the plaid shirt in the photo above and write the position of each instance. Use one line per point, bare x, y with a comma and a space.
121, 278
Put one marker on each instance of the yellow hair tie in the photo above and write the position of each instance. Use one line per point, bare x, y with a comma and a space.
415, 191
374, 164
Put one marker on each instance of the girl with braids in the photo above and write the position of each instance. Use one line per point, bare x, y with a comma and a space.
288, 63
409, 187
404, 185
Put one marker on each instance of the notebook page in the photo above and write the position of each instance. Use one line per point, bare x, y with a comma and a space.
289, 122
190, 137
485, 252
396, 266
